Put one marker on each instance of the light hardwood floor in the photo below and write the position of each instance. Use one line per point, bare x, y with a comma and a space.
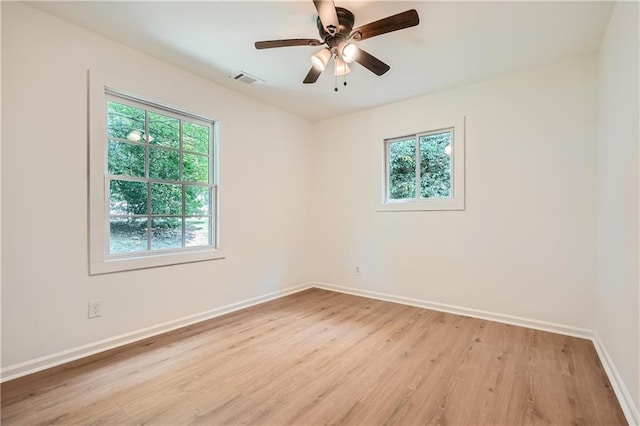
319, 357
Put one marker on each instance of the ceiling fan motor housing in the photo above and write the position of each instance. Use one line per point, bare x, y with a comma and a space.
345, 20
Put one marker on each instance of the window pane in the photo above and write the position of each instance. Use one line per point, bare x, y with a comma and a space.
164, 130
402, 169
166, 199
195, 137
195, 168
164, 164
197, 231
126, 159
127, 235
124, 121
197, 200
127, 197
167, 233
435, 165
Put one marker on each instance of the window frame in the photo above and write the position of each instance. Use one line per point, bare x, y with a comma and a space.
100, 259
457, 199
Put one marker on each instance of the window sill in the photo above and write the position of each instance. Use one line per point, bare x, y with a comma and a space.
422, 205
152, 261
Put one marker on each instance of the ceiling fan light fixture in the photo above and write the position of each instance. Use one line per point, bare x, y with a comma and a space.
336, 32
349, 52
320, 59
342, 68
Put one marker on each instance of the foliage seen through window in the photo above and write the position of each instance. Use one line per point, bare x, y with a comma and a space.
424, 173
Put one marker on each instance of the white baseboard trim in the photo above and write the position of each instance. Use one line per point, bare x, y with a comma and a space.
629, 408
42, 363
622, 393
475, 313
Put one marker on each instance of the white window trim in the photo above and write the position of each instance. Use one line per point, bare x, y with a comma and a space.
99, 260
457, 200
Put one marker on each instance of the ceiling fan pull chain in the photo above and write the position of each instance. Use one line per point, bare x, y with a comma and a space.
335, 74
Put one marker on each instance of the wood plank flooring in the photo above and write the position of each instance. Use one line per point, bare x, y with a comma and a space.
319, 357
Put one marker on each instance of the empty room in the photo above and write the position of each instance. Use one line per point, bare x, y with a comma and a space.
320, 212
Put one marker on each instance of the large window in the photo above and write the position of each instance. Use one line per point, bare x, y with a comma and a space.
425, 171
159, 193
158, 178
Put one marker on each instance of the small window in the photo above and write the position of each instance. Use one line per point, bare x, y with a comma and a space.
159, 192
425, 171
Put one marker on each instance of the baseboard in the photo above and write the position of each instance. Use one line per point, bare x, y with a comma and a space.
38, 364
475, 313
624, 398
629, 408
622, 393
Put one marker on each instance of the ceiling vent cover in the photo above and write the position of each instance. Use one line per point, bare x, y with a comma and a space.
246, 78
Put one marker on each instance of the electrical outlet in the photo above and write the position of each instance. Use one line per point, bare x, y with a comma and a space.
95, 309
357, 270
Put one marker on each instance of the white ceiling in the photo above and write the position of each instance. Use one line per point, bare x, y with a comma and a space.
456, 43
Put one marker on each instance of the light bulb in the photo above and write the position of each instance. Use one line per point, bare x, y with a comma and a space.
320, 59
349, 52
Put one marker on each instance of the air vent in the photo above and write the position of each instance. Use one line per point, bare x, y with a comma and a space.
246, 78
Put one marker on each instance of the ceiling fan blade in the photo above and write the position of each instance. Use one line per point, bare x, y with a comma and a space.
372, 63
328, 15
396, 22
270, 44
312, 76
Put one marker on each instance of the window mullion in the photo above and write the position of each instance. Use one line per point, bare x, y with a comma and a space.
146, 144
149, 222
181, 177
418, 171
181, 149
148, 175
184, 218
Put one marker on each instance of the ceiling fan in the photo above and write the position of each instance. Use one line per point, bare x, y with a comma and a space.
335, 26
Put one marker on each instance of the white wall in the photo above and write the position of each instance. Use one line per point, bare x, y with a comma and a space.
618, 279
524, 246
265, 158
